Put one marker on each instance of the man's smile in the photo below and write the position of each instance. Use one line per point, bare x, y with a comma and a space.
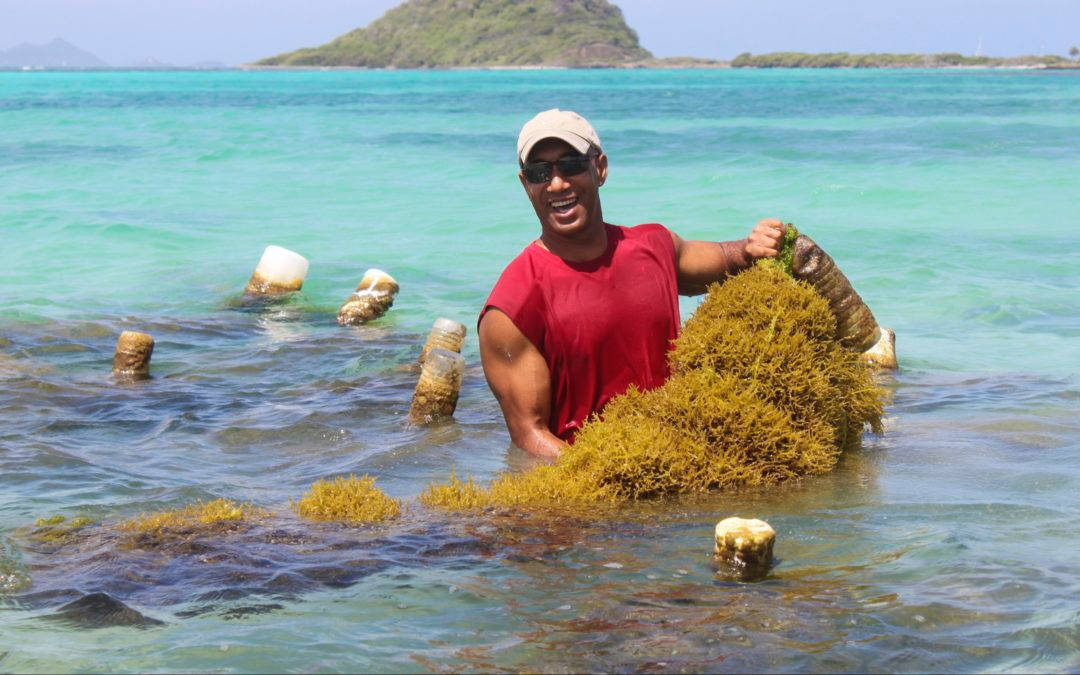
563, 206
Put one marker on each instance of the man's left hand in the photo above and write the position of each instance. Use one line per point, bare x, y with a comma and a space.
764, 240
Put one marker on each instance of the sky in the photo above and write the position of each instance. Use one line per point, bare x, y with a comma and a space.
232, 32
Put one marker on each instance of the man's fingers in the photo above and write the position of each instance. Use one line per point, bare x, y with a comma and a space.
769, 238
770, 227
762, 251
764, 240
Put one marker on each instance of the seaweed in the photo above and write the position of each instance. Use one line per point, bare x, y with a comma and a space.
785, 258
454, 493
761, 392
195, 518
57, 529
352, 499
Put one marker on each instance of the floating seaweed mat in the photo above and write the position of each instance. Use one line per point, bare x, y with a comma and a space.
761, 392
56, 529
218, 515
352, 500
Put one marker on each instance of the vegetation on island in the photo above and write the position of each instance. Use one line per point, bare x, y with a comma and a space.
846, 60
457, 33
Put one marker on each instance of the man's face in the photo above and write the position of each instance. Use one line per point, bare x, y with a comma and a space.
567, 206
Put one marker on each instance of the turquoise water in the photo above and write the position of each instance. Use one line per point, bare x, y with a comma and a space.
143, 200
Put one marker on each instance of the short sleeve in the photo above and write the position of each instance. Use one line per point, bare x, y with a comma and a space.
517, 294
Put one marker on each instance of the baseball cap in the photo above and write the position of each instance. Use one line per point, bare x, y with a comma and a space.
562, 124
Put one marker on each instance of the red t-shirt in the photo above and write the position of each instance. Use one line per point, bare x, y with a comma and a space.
601, 325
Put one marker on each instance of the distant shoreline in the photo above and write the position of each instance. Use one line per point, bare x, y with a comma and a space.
774, 61
720, 65
769, 60
724, 66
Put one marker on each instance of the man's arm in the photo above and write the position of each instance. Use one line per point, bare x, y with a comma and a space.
702, 262
520, 379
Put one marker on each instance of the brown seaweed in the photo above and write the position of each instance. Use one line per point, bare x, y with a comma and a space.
352, 500
151, 530
761, 392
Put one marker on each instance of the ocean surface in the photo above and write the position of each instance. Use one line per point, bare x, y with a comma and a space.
142, 201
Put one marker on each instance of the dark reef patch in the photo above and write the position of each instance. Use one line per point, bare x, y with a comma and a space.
101, 610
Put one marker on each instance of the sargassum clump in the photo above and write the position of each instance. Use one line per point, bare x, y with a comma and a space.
202, 515
762, 391
57, 528
352, 500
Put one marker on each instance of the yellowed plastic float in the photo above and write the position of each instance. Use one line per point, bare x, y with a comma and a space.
132, 357
373, 296
279, 271
856, 327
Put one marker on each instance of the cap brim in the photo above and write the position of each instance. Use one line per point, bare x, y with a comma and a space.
578, 143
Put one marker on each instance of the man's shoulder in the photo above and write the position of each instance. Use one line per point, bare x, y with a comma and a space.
649, 235
644, 228
644, 231
525, 263
520, 277
518, 293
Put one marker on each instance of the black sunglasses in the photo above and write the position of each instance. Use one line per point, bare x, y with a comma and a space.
569, 165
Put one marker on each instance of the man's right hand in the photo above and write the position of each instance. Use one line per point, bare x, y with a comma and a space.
765, 239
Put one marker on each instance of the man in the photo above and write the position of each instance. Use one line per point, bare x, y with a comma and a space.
589, 308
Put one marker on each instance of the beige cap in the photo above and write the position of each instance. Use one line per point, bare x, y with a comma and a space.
562, 124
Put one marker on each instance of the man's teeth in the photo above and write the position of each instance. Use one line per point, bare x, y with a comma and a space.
565, 202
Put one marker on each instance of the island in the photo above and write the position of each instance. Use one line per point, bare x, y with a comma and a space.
568, 34
58, 54
942, 60
483, 33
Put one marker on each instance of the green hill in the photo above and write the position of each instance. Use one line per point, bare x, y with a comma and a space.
455, 33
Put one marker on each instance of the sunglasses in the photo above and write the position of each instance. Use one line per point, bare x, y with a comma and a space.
569, 165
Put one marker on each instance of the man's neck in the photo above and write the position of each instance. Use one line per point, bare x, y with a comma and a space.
582, 249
